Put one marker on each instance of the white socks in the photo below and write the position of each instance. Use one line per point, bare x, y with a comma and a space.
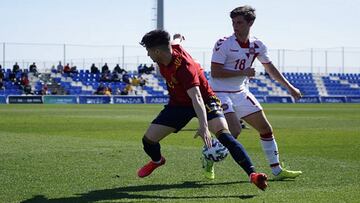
272, 153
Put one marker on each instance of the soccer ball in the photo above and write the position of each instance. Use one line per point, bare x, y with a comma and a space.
216, 153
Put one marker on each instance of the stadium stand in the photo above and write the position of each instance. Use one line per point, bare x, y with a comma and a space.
86, 83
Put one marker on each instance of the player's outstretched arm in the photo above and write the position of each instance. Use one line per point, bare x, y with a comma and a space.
276, 75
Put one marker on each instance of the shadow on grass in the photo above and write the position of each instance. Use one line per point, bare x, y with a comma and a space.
129, 193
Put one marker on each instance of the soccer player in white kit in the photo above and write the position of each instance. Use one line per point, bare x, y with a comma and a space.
231, 66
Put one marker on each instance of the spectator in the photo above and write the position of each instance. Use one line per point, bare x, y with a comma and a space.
60, 68
24, 81
100, 89
67, 69
106, 76
53, 69
16, 68
45, 90
74, 70
12, 77
1, 84
27, 89
118, 69
140, 69
2, 76
127, 89
144, 68
25, 84
33, 69
126, 78
94, 69
107, 91
135, 81
115, 76
105, 68
142, 81
150, 69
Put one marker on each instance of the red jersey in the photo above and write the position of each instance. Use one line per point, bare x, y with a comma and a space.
182, 74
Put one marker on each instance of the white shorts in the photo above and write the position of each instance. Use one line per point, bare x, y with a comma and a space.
242, 103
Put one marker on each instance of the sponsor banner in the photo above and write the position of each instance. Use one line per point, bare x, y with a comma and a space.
60, 99
2, 100
333, 99
279, 99
157, 99
25, 99
353, 99
261, 99
128, 100
94, 99
309, 99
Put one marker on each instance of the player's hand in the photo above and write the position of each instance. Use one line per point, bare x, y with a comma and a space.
178, 36
295, 92
204, 133
249, 72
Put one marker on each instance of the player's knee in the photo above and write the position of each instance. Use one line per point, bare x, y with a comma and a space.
147, 140
266, 129
235, 132
221, 132
266, 133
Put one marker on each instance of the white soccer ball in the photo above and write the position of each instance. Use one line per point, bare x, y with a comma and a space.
216, 153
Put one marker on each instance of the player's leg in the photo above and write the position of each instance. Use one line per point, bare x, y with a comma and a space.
230, 115
151, 146
170, 119
257, 119
224, 101
234, 124
218, 126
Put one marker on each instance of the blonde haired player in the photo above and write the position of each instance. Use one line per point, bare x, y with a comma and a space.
231, 65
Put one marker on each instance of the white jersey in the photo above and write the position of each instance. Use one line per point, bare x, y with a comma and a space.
236, 56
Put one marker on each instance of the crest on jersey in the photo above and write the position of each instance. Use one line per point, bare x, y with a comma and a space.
177, 62
251, 50
173, 82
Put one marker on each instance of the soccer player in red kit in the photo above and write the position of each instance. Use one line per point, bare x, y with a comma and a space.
190, 96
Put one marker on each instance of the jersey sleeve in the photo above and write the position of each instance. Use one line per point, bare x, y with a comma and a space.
188, 75
219, 52
263, 56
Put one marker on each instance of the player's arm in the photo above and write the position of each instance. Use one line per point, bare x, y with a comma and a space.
199, 107
218, 71
276, 75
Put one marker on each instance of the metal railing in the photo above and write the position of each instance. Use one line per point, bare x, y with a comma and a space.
315, 60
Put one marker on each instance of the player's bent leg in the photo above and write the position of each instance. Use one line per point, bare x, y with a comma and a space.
219, 127
152, 148
259, 121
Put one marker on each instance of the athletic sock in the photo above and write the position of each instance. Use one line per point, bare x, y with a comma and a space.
152, 149
237, 151
271, 151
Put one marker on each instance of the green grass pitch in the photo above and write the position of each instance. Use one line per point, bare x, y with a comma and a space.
90, 153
